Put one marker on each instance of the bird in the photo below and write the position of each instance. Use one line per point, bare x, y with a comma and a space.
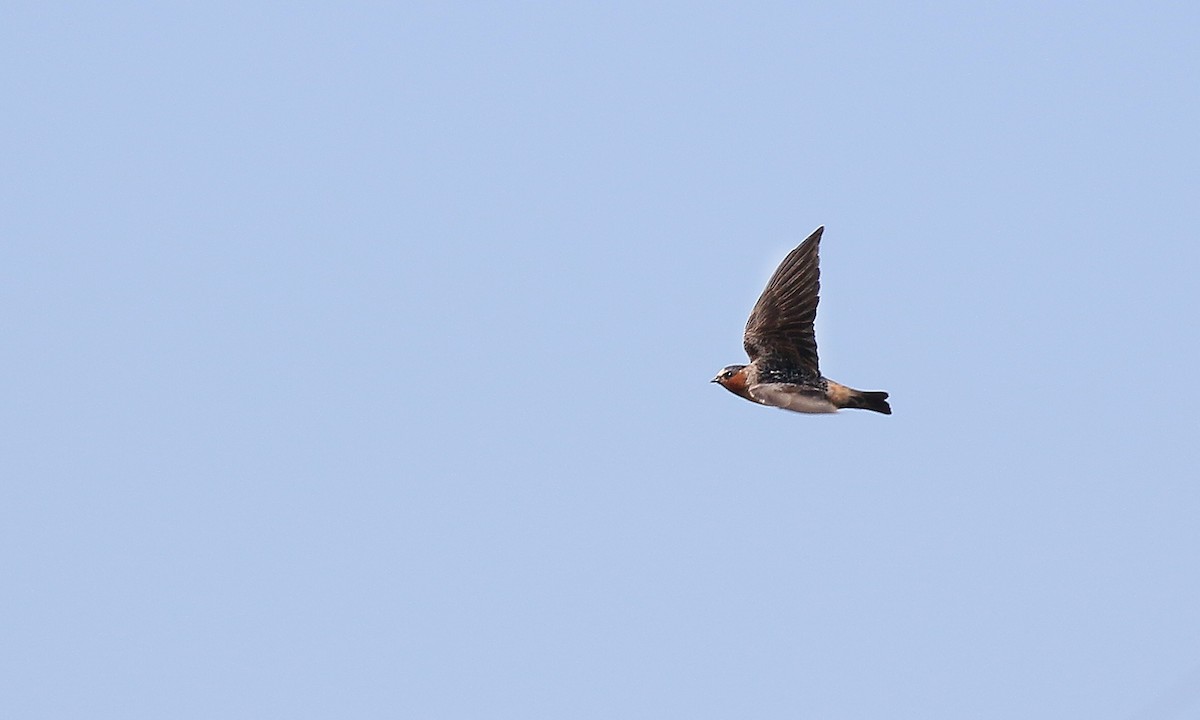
783, 370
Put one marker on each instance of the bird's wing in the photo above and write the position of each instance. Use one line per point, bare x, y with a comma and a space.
781, 323
791, 396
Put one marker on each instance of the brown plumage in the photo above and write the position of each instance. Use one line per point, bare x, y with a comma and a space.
784, 371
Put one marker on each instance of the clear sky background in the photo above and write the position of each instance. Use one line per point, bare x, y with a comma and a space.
356, 357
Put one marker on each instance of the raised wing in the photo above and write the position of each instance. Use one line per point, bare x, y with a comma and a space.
781, 323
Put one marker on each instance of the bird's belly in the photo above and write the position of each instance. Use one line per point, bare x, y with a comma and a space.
792, 397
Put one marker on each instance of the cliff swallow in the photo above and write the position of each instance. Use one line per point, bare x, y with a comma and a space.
779, 339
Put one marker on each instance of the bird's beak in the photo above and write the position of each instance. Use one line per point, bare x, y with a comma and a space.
716, 379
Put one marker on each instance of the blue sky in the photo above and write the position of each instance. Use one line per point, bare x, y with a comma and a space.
357, 361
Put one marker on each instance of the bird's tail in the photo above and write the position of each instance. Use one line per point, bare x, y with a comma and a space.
874, 400
848, 397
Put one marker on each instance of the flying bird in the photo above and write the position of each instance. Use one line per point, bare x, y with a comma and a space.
779, 339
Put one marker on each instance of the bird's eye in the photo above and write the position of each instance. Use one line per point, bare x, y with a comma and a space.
727, 374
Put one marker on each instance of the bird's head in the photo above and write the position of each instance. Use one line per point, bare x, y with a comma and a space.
733, 379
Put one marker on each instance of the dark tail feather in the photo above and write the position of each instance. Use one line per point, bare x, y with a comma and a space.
872, 400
